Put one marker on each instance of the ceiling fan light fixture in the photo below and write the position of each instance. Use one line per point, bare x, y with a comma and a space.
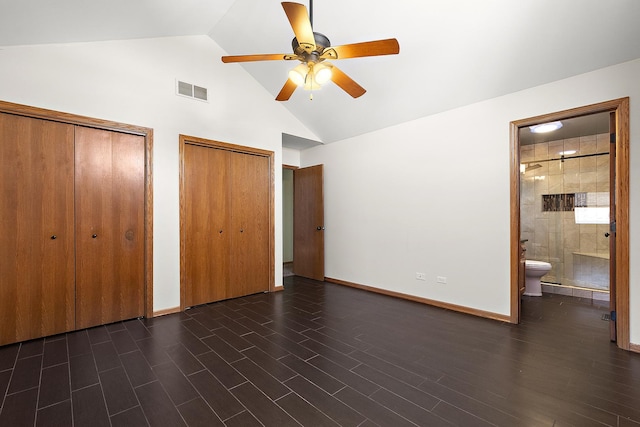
298, 74
321, 73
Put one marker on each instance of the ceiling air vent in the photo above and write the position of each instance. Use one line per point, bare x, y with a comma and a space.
191, 91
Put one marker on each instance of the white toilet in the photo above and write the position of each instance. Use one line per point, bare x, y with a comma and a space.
533, 272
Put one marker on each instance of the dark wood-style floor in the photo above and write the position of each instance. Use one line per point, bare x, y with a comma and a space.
320, 354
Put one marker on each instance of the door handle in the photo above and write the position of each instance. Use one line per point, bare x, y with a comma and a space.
607, 234
319, 228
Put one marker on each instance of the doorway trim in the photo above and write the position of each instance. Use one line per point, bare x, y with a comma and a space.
620, 107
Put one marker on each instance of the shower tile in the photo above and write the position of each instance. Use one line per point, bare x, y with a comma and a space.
547, 289
541, 186
588, 243
527, 192
602, 162
602, 243
571, 239
602, 143
601, 296
570, 166
572, 182
568, 265
526, 223
588, 229
542, 227
581, 293
553, 244
555, 224
527, 153
572, 144
541, 151
588, 144
588, 164
541, 252
588, 181
555, 183
555, 148
563, 291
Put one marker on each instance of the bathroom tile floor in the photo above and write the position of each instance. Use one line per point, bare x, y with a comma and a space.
319, 354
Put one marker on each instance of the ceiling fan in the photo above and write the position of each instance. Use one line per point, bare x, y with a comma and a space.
312, 49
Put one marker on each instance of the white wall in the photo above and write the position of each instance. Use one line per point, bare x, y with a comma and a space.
290, 157
432, 195
134, 82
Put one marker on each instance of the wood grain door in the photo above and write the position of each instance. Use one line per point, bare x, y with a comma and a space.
206, 230
109, 208
249, 254
36, 219
308, 223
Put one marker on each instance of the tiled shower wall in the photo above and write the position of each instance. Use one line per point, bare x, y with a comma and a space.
578, 253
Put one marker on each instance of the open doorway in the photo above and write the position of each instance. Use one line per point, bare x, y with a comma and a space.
554, 199
287, 220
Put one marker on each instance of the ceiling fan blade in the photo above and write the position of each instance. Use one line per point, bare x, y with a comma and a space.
346, 83
286, 91
299, 20
357, 50
266, 57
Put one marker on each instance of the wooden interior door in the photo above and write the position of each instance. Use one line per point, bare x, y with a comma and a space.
250, 228
308, 222
206, 231
36, 219
109, 182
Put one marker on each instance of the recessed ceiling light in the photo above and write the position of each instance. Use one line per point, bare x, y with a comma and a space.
567, 153
545, 127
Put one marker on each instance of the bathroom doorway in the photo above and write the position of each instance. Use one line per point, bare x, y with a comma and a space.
570, 194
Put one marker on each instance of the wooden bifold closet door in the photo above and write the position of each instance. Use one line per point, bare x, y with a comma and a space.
72, 215
109, 185
37, 223
225, 224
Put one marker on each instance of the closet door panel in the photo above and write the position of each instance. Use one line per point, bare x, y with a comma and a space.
250, 224
36, 218
206, 224
109, 226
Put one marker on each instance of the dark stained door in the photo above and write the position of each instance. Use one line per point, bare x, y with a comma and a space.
109, 226
206, 232
36, 219
308, 222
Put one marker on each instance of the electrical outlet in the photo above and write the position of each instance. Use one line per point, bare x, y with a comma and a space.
441, 279
421, 276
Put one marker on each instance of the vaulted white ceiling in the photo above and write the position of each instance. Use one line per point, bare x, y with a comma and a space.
452, 52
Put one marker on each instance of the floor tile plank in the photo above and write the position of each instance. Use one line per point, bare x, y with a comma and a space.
261, 407
157, 406
198, 414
